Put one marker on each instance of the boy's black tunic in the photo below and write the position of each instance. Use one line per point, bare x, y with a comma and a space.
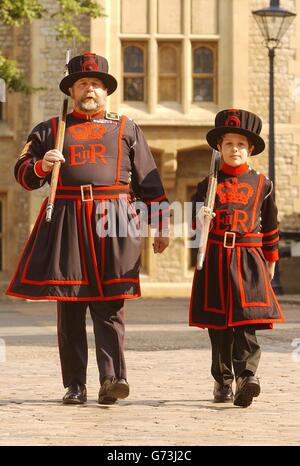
69, 259
228, 291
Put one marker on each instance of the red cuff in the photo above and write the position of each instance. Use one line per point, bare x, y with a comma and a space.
271, 256
38, 169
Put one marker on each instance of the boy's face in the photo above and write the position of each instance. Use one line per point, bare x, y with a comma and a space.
235, 149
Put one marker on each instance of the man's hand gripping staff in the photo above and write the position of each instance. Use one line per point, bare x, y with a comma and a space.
206, 213
58, 149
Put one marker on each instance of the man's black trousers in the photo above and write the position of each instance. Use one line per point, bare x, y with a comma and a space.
108, 322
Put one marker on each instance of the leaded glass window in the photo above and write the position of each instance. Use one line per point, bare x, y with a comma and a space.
169, 72
1, 233
204, 73
134, 73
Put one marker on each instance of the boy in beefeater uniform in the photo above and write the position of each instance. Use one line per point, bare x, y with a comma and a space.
232, 295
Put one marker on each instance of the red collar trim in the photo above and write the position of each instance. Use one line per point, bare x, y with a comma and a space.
229, 170
84, 116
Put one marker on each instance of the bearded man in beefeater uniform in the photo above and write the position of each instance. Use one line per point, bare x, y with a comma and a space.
232, 294
71, 260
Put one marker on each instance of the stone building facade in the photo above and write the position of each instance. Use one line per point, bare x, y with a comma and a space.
178, 62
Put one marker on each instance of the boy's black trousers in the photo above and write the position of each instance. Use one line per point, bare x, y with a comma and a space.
234, 351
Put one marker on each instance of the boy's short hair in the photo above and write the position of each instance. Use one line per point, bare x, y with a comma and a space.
220, 140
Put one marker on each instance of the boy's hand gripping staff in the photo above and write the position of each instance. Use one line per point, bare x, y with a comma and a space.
58, 145
206, 213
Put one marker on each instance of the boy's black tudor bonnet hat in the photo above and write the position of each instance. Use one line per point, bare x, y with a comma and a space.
237, 121
88, 65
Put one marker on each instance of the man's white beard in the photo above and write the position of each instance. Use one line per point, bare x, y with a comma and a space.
89, 105
94, 105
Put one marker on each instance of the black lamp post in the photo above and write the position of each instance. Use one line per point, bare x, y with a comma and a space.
273, 22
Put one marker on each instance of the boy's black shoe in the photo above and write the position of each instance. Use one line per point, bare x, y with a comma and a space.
112, 389
246, 389
75, 395
222, 393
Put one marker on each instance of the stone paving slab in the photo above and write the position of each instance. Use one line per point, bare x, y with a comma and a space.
165, 407
171, 389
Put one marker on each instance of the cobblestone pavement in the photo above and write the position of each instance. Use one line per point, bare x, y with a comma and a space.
169, 374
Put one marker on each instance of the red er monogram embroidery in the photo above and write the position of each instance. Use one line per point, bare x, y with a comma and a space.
80, 154
225, 219
234, 192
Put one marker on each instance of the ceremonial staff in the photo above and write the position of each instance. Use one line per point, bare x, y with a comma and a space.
206, 214
59, 146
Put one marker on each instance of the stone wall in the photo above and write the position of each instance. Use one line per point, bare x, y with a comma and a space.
47, 72
52, 55
287, 157
12, 135
41, 57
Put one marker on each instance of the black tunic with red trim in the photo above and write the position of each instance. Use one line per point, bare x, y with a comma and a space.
233, 287
72, 258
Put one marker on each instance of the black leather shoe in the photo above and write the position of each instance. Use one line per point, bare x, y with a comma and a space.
222, 393
75, 395
112, 389
246, 389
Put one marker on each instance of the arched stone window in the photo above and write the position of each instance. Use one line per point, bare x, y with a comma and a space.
134, 72
169, 72
204, 73
2, 222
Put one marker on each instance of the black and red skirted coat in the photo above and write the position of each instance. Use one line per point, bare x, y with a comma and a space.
69, 259
233, 287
